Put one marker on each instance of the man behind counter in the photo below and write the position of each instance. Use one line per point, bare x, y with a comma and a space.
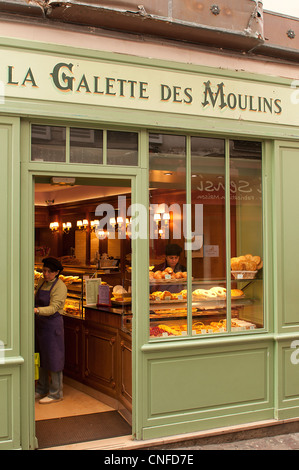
172, 256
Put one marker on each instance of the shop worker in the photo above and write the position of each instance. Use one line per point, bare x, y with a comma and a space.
50, 298
172, 256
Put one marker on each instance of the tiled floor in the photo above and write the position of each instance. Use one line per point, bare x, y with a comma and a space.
74, 403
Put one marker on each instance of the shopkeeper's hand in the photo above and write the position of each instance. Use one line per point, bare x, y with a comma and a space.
36, 310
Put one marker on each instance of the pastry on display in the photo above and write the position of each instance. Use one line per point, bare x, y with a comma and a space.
202, 294
166, 275
214, 293
66, 279
72, 307
70, 279
199, 327
37, 275
237, 293
246, 263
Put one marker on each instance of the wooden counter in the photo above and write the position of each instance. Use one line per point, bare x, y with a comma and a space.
99, 354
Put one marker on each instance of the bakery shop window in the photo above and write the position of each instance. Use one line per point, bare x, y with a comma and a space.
206, 237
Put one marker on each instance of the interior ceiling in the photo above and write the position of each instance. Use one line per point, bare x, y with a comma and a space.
47, 194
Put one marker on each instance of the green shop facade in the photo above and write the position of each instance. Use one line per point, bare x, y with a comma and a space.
229, 140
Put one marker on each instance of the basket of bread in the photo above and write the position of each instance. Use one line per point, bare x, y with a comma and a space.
245, 267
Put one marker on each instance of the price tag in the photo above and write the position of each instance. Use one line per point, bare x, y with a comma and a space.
91, 290
104, 297
167, 276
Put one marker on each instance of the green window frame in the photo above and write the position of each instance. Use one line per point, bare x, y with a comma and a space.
42, 133
230, 282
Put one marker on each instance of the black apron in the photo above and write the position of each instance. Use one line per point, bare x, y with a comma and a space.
49, 334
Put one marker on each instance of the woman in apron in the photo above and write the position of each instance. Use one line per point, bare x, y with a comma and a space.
50, 298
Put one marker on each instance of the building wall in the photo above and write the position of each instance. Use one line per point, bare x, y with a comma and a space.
179, 386
100, 40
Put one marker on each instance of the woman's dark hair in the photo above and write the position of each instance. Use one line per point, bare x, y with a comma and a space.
53, 264
173, 250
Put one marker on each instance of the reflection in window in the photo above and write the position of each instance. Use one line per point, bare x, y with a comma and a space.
167, 164
86, 146
246, 230
122, 148
48, 143
208, 226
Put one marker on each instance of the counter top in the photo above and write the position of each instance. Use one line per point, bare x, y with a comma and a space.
79, 269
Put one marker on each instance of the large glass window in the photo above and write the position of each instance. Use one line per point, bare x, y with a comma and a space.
246, 213
209, 245
206, 237
167, 162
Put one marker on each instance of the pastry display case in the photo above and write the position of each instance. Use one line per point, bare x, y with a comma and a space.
75, 296
208, 305
168, 301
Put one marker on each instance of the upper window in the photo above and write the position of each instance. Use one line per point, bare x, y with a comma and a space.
83, 145
122, 148
48, 143
86, 146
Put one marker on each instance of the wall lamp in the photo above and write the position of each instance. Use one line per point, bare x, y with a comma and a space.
54, 227
66, 227
82, 224
94, 224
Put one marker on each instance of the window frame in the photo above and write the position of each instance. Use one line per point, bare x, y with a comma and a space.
265, 301
104, 130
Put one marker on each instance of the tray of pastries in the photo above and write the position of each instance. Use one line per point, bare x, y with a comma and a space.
212, 294
166, 296
216, 293
166, 276
199, 327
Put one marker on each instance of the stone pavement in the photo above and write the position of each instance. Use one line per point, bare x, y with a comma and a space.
281, 436
280, 442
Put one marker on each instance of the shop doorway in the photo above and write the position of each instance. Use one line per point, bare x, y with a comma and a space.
97, 378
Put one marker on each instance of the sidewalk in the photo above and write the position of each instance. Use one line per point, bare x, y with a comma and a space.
283, 435
281, 442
